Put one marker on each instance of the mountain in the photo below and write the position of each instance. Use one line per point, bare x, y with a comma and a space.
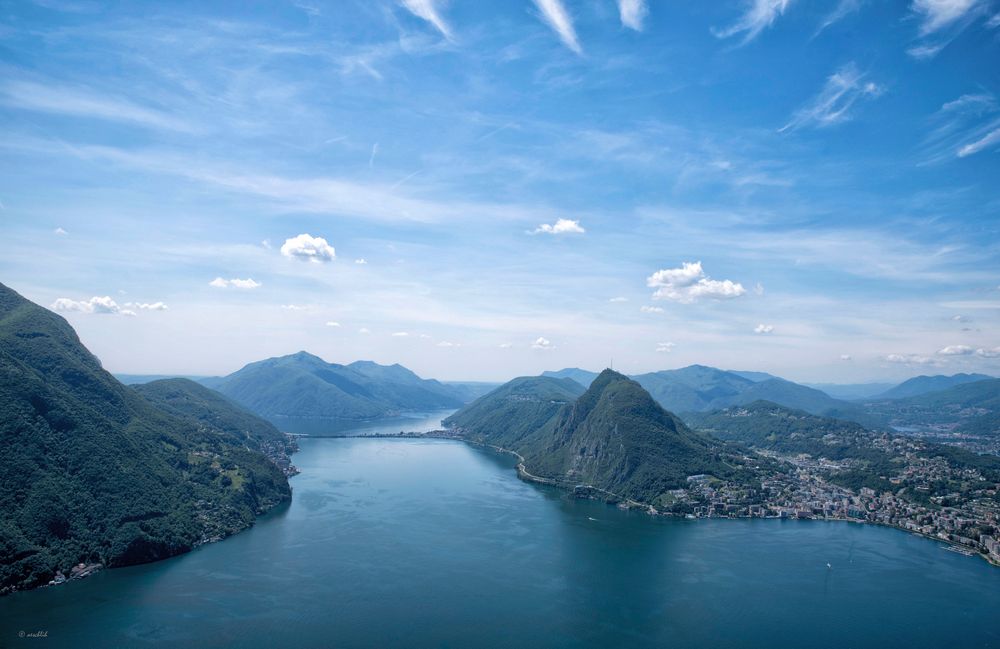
793, 395
207, 408
583, 377
136, 379
469, 391
975, 405
924, 384
614, 437
753, 376
695, 387
515, 410
93, 472
851, 391
873, 456
303, 385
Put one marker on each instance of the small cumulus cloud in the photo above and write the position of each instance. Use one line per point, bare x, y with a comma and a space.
445, 343
293, 307
956, 350
665, 348
306, 247
60, 232
561, 226
147, 306
908, 359
763, 329
401, 334
98, 305
542, 343
993, 352
505, 345
265, 244
245, 284
618, 299
845, 357
331, 323
651, 309
364, 330
688, 283
361, 261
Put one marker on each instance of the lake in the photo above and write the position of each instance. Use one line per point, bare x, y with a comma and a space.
435, 543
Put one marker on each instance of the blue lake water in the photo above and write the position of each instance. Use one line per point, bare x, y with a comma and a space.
434, 543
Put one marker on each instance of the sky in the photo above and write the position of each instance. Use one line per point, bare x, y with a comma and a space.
480, 190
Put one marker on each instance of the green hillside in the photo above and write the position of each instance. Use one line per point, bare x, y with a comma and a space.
90, 471
923, 384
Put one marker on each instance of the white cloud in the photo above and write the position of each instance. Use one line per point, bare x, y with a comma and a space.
845, 357
938, 14
428, 10
618, 299
555, 14
632, 13
364, 330
909, 359
956, 350
445, 343
759, 15
665, 348
989, 353
64, 100
361, 261
542, 343
401, 334
832, 105
763, 329
266, 244
100, 305
651, 309
247, 283
689, 283
331, 323
843, 9
988, 140
505, 345
293, 307
60, 232
561, 226
308, 248
147, 306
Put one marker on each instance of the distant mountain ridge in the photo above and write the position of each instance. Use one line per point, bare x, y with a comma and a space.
699, 388
924, 384
304, 385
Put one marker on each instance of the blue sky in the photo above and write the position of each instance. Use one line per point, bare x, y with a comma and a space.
479, 190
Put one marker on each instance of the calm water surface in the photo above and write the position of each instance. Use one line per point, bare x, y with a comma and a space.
433, 543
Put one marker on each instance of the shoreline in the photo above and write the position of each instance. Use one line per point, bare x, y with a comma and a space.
624, 502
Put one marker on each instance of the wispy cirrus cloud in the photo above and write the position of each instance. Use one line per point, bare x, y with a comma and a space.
555, 15
941, 21
833, 104
428, 10
81, 102
963, 127
758, 16
632, 13
843, 9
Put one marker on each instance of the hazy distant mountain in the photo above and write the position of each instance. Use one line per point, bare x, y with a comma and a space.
469, 391
851, 391
583, 377
924, 384
92, 471
303, 385
753, 376
971, 406
613, 437
698, 388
